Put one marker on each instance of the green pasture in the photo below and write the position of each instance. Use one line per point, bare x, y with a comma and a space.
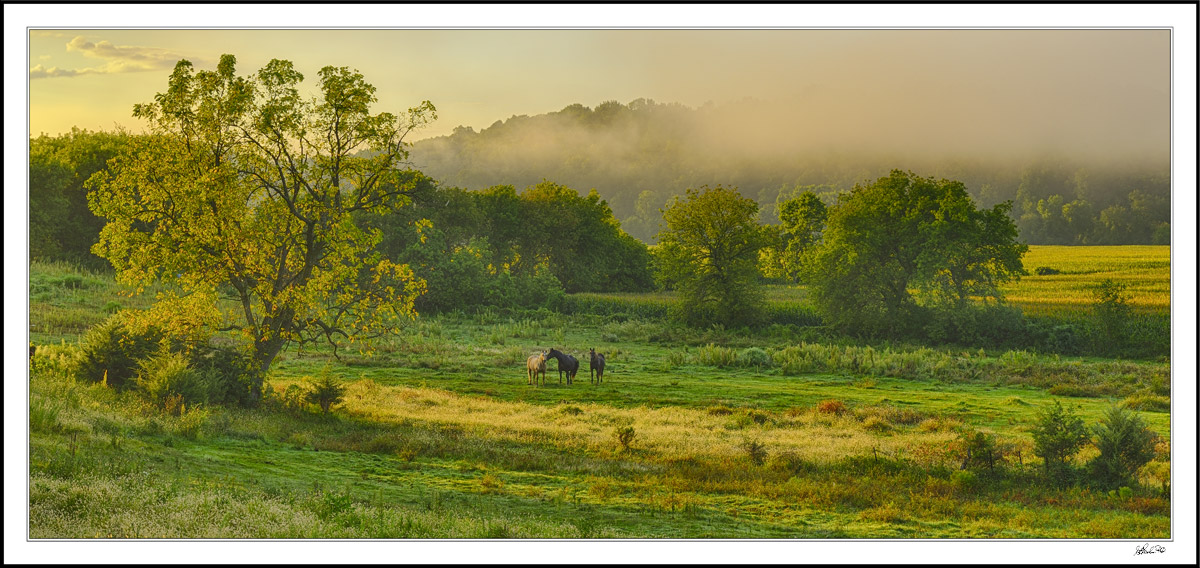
737, 435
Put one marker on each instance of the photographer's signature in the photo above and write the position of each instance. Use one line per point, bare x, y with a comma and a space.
1148, 549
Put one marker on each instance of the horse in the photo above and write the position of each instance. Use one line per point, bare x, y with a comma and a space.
536, 364
566, 363
596, 365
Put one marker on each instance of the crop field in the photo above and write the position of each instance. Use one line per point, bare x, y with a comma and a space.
692, 434
1145, 270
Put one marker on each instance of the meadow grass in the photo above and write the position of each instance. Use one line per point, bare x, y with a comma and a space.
732, 435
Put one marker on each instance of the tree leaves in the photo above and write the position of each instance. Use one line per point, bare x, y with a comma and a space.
247, 187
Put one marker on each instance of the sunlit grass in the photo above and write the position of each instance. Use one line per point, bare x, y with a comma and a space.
1145, 270
439, 436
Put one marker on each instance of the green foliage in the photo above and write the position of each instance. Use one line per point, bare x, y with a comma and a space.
709, 253
754, 357
1147, 402
716, 355
981, 451
624, 436
660, 157
904, 232
169, 381
500, 248
60, 225
1058, 435
325, 391
120, 349
756, 451
230, 372
1125, 443
802, 219
243, 185
111, 351
1111, 304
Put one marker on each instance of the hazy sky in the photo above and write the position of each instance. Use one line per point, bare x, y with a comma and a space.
1068, 89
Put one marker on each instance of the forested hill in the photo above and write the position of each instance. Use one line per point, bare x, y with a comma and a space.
639, 155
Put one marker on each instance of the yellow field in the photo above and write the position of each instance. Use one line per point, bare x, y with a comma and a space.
1145, 270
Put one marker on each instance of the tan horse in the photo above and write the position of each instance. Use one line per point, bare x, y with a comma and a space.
534, 365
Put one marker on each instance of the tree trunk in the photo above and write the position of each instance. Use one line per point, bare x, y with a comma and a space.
265, 352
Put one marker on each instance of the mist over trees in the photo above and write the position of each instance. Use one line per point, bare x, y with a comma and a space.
641, 154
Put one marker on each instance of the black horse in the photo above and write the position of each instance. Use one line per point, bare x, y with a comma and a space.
597, 365
566, 364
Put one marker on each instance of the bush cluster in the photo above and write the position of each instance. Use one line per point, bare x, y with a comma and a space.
1123, 439
169, 371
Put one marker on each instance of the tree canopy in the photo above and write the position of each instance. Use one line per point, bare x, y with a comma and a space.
802, 219
903, 234
246, 189
61, 227
708, 251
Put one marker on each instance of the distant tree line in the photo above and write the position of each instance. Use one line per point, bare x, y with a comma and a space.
640, 155
506, 248
61, 226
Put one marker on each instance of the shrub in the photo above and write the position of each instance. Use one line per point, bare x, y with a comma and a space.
832, 406
111, 352
624, 436
191, 421
756, 451
1045, 271
168, 380
754, 357
981, 451
571, 410
325, 391
1125, 443
1059, 434
230, 372
716, 356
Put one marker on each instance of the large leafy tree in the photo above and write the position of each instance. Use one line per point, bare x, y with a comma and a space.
904, 243
246, 189
708, 251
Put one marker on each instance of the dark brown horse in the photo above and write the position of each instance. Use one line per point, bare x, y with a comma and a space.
566, 364
596, 365
534, 365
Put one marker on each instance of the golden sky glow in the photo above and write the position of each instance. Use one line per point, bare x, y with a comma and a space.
1063, 89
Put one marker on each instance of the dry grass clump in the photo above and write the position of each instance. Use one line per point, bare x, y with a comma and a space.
832, 406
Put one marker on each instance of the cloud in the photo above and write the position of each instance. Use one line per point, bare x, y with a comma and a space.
40, 72
113, 58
